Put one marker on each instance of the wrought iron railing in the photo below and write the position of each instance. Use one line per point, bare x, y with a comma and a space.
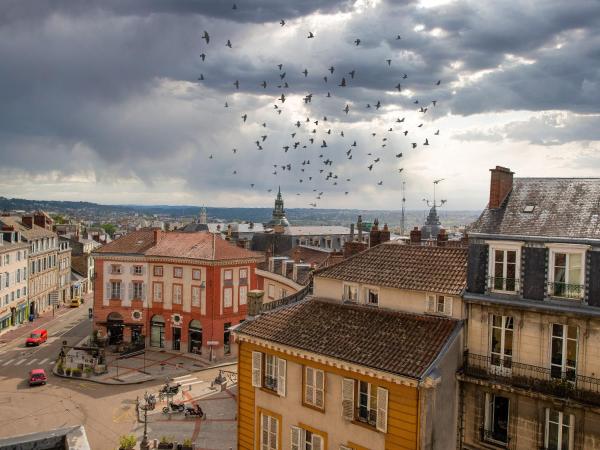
498, 439
270, 382
293, 298
565, 290
503, 284
564, 384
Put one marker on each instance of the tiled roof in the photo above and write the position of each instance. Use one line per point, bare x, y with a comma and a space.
317, 230
308, 255
35, 232
198, 245
403, 266
396, 342
563, 207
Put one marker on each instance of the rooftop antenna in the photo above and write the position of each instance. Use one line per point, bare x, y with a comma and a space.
434, 204
402, 220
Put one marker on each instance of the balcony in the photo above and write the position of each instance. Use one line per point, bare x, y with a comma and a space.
503, 285
565, 290
533, 378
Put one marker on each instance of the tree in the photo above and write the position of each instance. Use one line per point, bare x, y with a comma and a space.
109, 228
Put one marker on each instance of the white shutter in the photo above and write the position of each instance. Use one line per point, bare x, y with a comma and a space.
317, 442
281, 372
257, 369
108, 293
309, 389
430, 303
348, 398
487, 412
382, 406
448, 305
296, 443
130, 290
319, 388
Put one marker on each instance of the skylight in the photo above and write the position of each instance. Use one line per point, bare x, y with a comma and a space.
528, 208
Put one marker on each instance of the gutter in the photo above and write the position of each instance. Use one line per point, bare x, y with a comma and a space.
524, 237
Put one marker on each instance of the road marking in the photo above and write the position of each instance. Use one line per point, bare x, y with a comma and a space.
43, 361
192, 383
8, 362
184, 377
31, 361
18, 363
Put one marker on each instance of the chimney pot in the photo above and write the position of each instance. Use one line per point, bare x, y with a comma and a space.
156, 236
415, 236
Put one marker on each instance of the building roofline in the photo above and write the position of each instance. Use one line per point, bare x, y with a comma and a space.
524, 237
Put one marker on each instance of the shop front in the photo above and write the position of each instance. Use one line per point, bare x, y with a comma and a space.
195, 337
157, 331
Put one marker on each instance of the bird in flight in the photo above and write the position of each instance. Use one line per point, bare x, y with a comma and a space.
228, 43
282, 98
245, 116
426, 142
389, 61
305, 72
202, 56
331, 69
206, 37
264, 84
380, 183
438, 82
437, 133
310, 35
343, 83
201, 78
357, 42
398, 37
236, 83
346, 109
351, 73
280, 66
399, 87
282, 22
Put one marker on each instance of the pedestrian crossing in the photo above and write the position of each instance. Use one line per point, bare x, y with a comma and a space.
14, 362
187, 380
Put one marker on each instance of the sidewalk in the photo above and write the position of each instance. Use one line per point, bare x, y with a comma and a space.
21, 331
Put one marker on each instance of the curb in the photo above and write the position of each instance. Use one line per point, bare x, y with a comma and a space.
107, 383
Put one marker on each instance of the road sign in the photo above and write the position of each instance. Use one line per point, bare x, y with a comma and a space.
54, 298
213, 343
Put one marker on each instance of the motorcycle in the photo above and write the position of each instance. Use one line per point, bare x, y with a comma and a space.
167, 390
173, 408
197, 411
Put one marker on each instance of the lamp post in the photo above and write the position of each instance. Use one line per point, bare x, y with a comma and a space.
145, 445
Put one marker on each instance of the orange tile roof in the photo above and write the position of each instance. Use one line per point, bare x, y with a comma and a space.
199, 245
403, 266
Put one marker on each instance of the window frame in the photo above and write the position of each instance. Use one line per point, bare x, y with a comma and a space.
560, 428
155, 299
305, 385
368, 290
115, 269
351, 286
137, 285
114, 283
278, 428
489, 413
197, 271
180, 286
158, 271
178, 269
564, 349
567, 250
504, 246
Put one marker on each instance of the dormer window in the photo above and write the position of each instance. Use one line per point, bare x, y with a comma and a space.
372, 296
566, 273
350, 293
439, 304
504, 267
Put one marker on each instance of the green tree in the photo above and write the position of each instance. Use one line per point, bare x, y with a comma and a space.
109, 228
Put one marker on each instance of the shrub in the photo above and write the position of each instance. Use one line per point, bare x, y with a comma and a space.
76, 372
187, 442
127, 442
68, 371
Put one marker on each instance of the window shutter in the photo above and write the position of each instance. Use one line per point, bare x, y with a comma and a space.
144, 291
448, 305
281, 372
571, 431
430, 303
108, 293
130, 290
382, 406
309, 388
257, 369
143, 270
546, 425
487, 411
317, 442
348, 398
296, 438
319, 388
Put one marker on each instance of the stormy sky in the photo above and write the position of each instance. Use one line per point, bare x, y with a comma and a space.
101, 100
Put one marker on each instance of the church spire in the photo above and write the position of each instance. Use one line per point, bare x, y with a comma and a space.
278, 218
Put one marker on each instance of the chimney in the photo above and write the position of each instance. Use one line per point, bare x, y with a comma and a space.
415, 236
442, 238
27, 221
255, 301
384, 235
501, 184
359, 226
251, 225
353, 247
374, 235
156, 236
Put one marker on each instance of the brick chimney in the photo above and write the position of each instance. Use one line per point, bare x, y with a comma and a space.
375, 235
415, 236
442, 238
353, 247
501, 184
27, 221
156, 236
384, 235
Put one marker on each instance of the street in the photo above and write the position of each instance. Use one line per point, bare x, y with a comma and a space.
106, 411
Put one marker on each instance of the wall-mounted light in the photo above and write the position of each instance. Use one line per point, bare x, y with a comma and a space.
203, 285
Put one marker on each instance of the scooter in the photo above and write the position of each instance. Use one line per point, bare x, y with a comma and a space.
173, 408
170, 389
197, 411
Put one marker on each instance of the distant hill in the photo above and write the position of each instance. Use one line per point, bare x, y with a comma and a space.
297, 216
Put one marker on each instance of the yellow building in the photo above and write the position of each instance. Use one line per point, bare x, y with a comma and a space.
338, 371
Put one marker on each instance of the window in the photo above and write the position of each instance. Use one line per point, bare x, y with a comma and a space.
177, 294
158, 271
137, 290
196, 274
496, 418
178, 272
138, 270
563, 361
115, 289
501, 344
269, 432
504, 270
227, 298
439, 304
559, 430
228, 276
114, 269
350, 293
271, 291
269, 371
195, 295
314, 387
306, 440
566, 275
157, 292
365, 402
372, 296
243, 295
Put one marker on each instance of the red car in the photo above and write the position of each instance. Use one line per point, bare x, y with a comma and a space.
37, 376
37, 337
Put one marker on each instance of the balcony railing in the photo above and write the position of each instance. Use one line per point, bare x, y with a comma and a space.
535, 378
495, 438
293, 298
503, 284
565, 290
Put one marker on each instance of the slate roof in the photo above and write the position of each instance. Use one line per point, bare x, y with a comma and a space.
396, 342
317, 230
199, 245
563, 207
35, 232
404, 266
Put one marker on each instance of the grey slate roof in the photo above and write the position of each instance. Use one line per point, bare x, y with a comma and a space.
563, 207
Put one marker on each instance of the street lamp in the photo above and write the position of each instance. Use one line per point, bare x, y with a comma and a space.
145, 445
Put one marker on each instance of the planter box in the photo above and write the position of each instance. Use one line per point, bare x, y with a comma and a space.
165, 446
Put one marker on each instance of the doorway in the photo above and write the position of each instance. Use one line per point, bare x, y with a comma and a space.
157, 331
176, 338
195, 337
114, 328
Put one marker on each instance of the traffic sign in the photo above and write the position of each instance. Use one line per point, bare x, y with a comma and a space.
213, 343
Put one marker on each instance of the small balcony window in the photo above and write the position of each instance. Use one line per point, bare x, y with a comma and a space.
496, 420
566, 275
350, 293
504, 269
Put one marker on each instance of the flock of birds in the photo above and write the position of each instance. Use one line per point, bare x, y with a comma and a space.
318, 133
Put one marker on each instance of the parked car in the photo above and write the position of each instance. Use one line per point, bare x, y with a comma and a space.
37, 377
75, 302
37, 337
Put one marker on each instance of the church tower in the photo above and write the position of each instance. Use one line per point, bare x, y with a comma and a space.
203, 219
278, 220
